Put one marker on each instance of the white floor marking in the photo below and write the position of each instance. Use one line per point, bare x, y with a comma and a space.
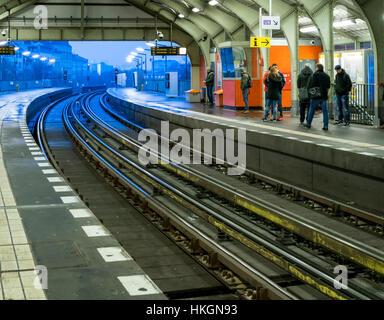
324, 145
62, 189
68, 200
31, 144
43, 164
37, 153
367, 154
34, 148
55, 179
344, 149
139, 285
95, 231
40, 158
49, 171
80, 213
114, 254
307, 141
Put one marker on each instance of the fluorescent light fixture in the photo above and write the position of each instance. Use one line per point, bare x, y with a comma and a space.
3, 43
133, 53
35, 56
196, 9
26, 53
181, 16
343, 23
213, 2
150, 44
140, 49
308, 29
17, 48
43, 58
52, 60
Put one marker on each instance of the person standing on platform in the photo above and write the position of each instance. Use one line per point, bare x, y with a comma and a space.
283, 82
274, 81
343, 86
318, 92
210, 82
302, 84
267, 101
246, 84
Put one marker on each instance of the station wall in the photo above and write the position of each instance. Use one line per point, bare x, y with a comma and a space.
232, 95
282, 57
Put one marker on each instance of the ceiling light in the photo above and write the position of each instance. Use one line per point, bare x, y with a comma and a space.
3, 43
213, 2
43, 58
196, 9
150, 44
26, 53
342, 24
181, 15
140, 49
52, 60
308, 29
35, 56
134, 53
17, 48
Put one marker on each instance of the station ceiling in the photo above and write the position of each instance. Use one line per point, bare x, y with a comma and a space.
212, 17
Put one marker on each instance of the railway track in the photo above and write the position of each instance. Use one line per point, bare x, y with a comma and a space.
207, 213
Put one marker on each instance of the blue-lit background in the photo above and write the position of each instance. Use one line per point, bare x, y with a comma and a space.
39, 64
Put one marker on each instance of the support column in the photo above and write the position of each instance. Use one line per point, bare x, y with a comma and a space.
371, 10
291, 25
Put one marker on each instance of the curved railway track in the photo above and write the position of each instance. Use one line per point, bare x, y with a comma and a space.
208, 212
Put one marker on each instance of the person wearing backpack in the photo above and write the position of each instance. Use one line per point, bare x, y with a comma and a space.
246, 84
302, 85
318, 88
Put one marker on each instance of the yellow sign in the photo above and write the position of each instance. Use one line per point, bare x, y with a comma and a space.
260, 42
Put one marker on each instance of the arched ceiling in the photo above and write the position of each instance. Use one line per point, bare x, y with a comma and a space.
217, 21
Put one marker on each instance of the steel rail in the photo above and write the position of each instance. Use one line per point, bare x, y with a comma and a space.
260, 277
246, 237
355, 251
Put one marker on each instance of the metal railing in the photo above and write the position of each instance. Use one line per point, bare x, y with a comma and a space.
362, 104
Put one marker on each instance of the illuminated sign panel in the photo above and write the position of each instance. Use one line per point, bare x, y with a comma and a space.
5, 50
168, 51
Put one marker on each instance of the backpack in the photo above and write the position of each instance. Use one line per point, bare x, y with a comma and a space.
303, 91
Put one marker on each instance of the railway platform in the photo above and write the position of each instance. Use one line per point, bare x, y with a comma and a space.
345, 162
51, 244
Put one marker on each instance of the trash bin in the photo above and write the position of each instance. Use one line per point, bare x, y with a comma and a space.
203, 95
219, 98
192, 96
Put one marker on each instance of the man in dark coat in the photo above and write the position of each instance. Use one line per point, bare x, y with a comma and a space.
283, 82
343, 86
245, 85
274, 93
210, 82
318, 92
302, 85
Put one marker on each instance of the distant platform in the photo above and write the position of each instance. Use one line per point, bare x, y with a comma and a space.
346, 163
